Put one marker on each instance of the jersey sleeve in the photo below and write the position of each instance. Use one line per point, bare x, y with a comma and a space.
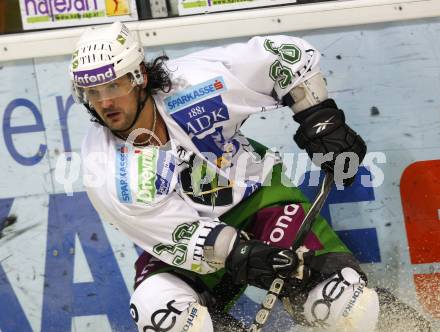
172, 231
267, 64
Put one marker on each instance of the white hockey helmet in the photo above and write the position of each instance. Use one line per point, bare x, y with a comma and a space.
103, 55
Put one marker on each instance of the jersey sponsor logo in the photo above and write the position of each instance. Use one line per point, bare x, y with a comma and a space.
202, 116
94, 76
155, 173
217, 192
160, 321
215, 142
165, 169
281, 227
331, 292
146, 175
122, 174
191, 319
201, 122
194, 94
354, 298
283, 222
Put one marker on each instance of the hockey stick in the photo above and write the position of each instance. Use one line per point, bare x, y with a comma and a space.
278, 283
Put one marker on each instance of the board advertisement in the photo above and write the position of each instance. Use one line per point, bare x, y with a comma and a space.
47, 14
188, 7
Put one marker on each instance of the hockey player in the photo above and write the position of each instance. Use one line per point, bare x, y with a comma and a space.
167, 165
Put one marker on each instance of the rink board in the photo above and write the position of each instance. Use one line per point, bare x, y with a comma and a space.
63, 269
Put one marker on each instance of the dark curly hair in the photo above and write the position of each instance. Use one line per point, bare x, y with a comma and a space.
158, 75
158, 80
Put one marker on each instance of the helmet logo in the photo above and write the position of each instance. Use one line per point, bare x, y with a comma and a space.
121, 39
75, 60
97, 76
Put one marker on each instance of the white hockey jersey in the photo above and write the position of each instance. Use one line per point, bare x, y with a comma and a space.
166, 199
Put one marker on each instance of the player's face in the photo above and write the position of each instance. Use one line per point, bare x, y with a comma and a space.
115, 102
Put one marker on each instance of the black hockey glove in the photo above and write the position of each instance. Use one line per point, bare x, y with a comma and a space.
322, 130
257, 264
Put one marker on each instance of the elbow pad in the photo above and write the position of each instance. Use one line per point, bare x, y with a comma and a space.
309, 93
219, 244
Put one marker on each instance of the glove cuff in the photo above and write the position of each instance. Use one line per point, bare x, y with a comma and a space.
301, 116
